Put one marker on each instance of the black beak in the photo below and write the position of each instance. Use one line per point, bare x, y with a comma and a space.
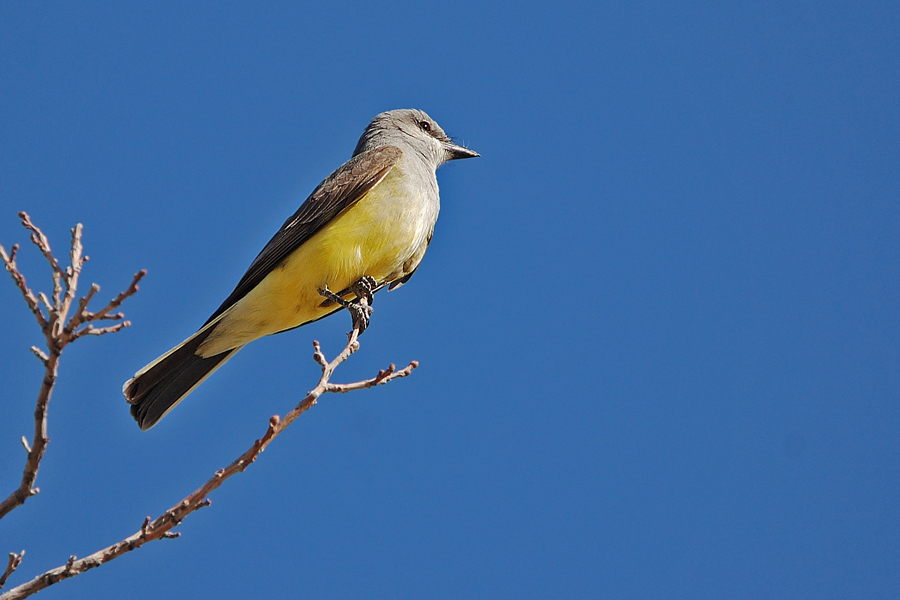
455, 152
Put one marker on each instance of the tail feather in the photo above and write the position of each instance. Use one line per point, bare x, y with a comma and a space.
158, 387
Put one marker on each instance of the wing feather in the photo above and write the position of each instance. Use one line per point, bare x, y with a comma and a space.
340, 190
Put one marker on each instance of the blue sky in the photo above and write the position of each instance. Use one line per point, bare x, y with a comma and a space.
658, 324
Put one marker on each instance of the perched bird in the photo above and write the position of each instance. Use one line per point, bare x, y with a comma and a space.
365, 227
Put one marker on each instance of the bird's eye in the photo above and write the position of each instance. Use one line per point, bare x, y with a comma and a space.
425, 125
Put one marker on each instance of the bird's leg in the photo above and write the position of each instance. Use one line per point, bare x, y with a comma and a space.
361, 309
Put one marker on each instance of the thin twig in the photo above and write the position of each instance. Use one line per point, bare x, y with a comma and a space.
42, 356
161, 527
12, 564
103, 313
73, 271
91, 330
9, 261
40, 240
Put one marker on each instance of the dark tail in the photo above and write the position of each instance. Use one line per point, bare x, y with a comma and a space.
158, 387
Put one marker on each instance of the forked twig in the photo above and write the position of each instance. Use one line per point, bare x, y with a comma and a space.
161, 527
59, 330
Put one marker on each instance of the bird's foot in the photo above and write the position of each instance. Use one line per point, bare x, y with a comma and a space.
361, 313
365, 288
361, 309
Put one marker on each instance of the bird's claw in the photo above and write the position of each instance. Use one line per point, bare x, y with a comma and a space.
365, 288
361, 309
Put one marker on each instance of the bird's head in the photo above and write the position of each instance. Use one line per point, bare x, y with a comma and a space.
412, 128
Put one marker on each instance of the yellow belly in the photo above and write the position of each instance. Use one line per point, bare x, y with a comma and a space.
374, 237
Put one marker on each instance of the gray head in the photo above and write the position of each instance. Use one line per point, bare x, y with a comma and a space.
410, 128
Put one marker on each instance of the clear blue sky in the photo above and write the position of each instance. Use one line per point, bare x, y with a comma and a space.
659, 323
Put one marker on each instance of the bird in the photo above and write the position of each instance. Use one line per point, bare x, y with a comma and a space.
365, 227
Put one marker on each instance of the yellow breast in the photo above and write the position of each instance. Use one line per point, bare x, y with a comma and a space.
374, 237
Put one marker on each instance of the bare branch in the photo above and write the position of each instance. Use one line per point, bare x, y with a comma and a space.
45, 301
91, 330
42, 356
383, 376
9, 260
72, 271
57, 337
103, 313
161, 527
39, 442
40, 240
78, 317
13, 563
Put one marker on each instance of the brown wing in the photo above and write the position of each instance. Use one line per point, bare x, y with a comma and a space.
339, 191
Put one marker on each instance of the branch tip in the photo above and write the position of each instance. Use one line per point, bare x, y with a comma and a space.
318, 356
26, 445
12, 564
42, 356
45, 301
